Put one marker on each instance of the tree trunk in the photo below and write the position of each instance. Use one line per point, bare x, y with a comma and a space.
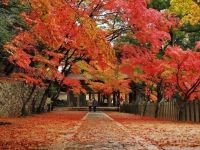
118, 95
78, 100
145, 108
182, 106
145, 105
58, 92
40, 108
109, 100
33, 106
28, 99
99, 98
159, 98
114, 98
9, 69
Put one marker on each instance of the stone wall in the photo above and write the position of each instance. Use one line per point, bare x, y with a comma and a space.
14, 94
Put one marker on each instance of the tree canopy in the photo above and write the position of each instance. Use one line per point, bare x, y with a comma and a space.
112, 43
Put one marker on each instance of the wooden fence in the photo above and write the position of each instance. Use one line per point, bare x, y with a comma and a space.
166, 110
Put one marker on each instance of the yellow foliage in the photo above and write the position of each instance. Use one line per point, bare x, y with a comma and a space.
43, 6
187, 9
168, 71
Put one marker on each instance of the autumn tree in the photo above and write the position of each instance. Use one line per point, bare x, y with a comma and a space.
142, 53
105, 81
185, 74
59, 36
144, 67
150, 31
109, 41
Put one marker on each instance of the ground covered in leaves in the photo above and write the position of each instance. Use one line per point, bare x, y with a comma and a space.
63, 129
36, 131
165, 134
100, 132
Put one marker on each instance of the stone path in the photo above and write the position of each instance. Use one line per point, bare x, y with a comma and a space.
97, 131
78, 130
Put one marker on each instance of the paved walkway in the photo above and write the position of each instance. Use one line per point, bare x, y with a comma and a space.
97, 131
78, 130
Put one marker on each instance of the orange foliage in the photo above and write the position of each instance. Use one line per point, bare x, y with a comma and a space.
38, 131
74, 85
59, 34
